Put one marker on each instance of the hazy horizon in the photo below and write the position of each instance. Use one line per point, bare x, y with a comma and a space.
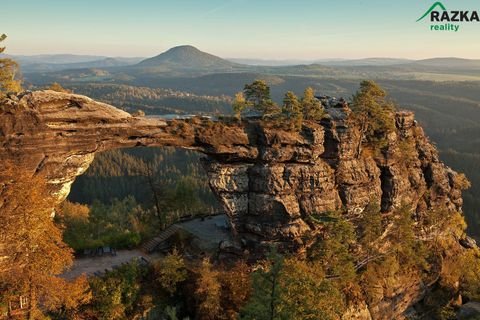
239, 29
259, 58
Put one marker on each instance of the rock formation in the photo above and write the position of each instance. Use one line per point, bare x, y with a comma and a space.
270, 180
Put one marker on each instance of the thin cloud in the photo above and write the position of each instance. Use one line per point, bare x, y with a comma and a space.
226, 4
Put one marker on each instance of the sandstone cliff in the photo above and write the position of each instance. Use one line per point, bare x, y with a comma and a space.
270, 180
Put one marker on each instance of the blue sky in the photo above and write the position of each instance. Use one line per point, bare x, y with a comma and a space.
269, 29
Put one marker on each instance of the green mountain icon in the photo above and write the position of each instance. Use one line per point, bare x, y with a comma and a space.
436, 4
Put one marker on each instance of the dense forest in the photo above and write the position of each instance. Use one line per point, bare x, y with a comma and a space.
137, 193
154, 101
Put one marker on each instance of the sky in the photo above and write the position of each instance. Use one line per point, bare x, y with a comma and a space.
262, 29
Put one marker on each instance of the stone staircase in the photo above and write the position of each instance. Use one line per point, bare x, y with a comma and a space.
151, 245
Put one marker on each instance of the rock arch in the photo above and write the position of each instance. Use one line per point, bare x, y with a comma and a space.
270, 180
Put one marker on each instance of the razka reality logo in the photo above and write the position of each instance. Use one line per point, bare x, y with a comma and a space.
441, 19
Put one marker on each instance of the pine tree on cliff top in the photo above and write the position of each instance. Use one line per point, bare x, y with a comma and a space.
374, 113
257, 96
293, 110
8, 73
312, 108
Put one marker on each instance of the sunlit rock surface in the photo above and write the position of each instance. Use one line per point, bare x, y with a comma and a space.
269, 180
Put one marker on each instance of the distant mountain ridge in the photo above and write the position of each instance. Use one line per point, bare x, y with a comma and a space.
188, 61
60, 62
49, 67
449, 62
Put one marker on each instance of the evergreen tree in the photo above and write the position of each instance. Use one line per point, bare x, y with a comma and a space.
8, 73
312, 107
370, 229
265, 301
306, 294
409, 251
257, 96
292, 289
374, 113
332, 251
293, 110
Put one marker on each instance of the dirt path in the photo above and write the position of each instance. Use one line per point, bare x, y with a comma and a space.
90, 265
208, 233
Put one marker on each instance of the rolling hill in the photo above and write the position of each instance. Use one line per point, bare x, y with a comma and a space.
186, 58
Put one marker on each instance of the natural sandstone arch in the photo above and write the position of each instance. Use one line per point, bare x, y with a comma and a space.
269, 180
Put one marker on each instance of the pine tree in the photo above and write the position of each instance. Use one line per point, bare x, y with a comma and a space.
409, 251
257, 96
8, 73
370, 229
306, 294
265, 301
312, 107
332, 251
293, 110
292, 288
373, 113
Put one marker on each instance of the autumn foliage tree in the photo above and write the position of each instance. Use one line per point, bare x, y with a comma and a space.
239, 104
8, 73
236, 288
33, 253
170, 271
208, 292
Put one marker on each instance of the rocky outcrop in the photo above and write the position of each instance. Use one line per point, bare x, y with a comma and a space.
271, 181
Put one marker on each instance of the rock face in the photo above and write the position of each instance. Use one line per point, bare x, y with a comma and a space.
270, 180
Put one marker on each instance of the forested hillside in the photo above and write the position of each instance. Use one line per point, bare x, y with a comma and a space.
173, 176
154, 100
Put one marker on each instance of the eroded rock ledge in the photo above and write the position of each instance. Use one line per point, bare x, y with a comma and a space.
269, 180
